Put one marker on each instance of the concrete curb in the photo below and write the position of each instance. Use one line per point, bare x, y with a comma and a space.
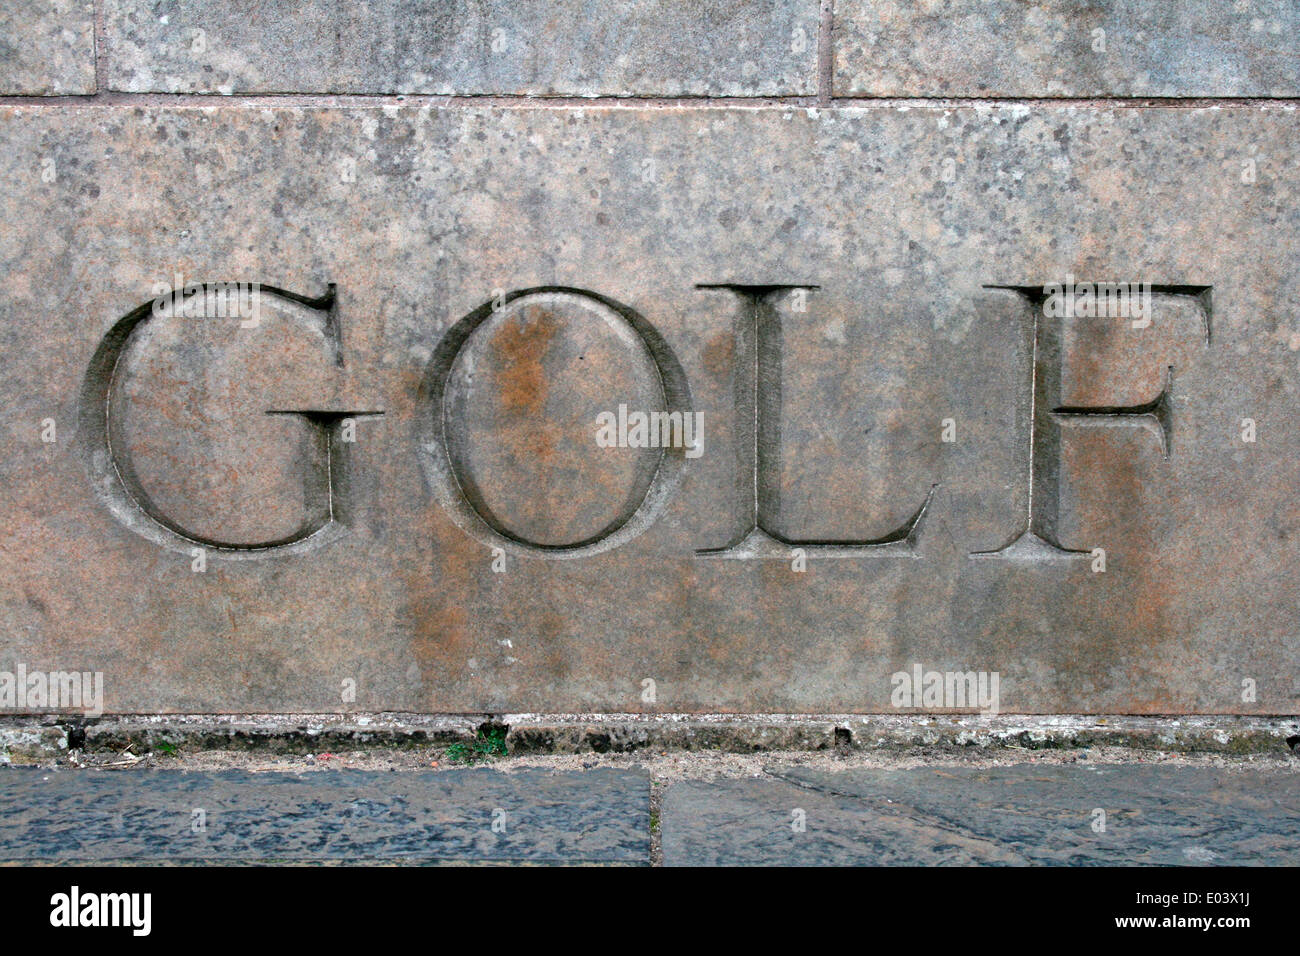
625, 733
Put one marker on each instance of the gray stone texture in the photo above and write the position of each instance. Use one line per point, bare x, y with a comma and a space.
371, 562
1106, 815
1052, 48
344, 816
572, 47
47, 47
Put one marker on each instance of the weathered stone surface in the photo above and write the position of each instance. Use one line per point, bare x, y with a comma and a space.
1044, 815
574, 47
1054, 48
345, 816
338, 575
47, 47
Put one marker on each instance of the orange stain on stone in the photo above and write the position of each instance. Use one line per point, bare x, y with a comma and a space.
523, 345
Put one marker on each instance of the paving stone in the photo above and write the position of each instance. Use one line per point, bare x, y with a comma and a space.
47, 47
574, 47
1067, 48
344, 816
201, 532
1105, 815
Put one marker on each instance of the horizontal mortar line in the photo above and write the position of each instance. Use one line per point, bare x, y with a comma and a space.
1138, 101
403, 99
326, 100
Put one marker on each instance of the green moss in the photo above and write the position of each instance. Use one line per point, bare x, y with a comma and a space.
489, 743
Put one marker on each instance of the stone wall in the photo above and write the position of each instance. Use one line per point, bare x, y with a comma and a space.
770, 357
